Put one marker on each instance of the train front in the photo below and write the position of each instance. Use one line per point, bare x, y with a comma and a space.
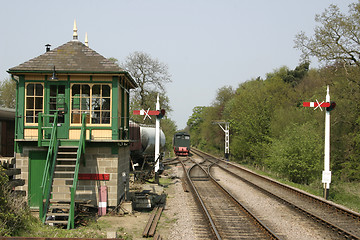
181, 144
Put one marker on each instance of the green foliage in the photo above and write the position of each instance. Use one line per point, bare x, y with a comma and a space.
14, 215
7, 93
296, 155
194, 122
269, 128
249, 112
336, 39
169, 128
295, 76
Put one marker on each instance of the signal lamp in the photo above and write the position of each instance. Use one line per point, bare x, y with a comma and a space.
161, 114
332, 106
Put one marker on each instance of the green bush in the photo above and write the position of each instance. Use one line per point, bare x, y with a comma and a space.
297, 154
14, 214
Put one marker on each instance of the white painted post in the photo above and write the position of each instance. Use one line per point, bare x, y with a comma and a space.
227, 140
227, 137
157, 137
326, 174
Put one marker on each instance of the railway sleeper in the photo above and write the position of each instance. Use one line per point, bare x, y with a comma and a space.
202, 178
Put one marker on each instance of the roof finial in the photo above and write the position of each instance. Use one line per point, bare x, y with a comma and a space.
86, 40
75, 35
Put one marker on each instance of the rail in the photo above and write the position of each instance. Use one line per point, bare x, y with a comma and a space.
256, 220
80, 151
201, 202
49, 164
331, 222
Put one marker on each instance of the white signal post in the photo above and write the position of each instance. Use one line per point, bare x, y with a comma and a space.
326, 175
157, 141
227, 136
159, 115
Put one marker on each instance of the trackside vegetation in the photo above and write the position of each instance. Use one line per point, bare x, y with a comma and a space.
271, 131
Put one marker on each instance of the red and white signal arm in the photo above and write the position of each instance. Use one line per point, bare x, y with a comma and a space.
316, 104
145, 112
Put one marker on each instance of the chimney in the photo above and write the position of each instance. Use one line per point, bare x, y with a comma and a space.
47, 47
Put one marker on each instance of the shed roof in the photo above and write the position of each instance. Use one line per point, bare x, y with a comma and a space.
71, 57
7, 113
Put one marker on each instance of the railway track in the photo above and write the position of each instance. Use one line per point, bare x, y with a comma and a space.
227, 218
343, 223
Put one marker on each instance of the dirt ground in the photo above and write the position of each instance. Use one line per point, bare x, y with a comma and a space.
131, 226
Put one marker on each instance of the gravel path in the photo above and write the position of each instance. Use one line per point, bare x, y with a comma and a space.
179, 207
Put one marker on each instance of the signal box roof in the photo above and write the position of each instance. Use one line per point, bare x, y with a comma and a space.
73, 57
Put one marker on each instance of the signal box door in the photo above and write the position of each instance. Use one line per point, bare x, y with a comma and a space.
58, 101
37, 161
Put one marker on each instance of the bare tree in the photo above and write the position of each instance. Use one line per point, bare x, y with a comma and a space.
150, 74
337, 39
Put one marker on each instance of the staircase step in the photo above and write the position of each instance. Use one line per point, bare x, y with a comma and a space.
64, 172
68, 146
57, 214
67, 152
62, 185
66, 159
59, 206
57, 221
62, 202
64, 166
64, 178
61, 192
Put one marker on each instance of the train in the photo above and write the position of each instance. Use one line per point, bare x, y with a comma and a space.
181, 143
142, 146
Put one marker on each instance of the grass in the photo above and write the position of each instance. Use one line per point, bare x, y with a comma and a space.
163, 181
36, 229
122, 234
93, 229
343, 193
347, 194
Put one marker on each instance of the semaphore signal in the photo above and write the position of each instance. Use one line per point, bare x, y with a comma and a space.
326, 174
316, 104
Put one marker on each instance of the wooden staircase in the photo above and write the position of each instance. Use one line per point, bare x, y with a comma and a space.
59, 205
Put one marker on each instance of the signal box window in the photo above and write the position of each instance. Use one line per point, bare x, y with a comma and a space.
34, 93
93, 100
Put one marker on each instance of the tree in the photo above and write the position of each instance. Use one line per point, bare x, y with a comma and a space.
169, 128
337, 39
149, 103
150, 74
297, 154
8, 93
194, 122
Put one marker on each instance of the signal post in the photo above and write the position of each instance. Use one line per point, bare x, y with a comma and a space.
227, 136
326, 174
159, 115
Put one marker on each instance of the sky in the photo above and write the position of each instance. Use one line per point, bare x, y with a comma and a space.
207, 44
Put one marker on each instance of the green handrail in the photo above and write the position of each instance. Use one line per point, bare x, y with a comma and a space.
49, 165
80, 151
